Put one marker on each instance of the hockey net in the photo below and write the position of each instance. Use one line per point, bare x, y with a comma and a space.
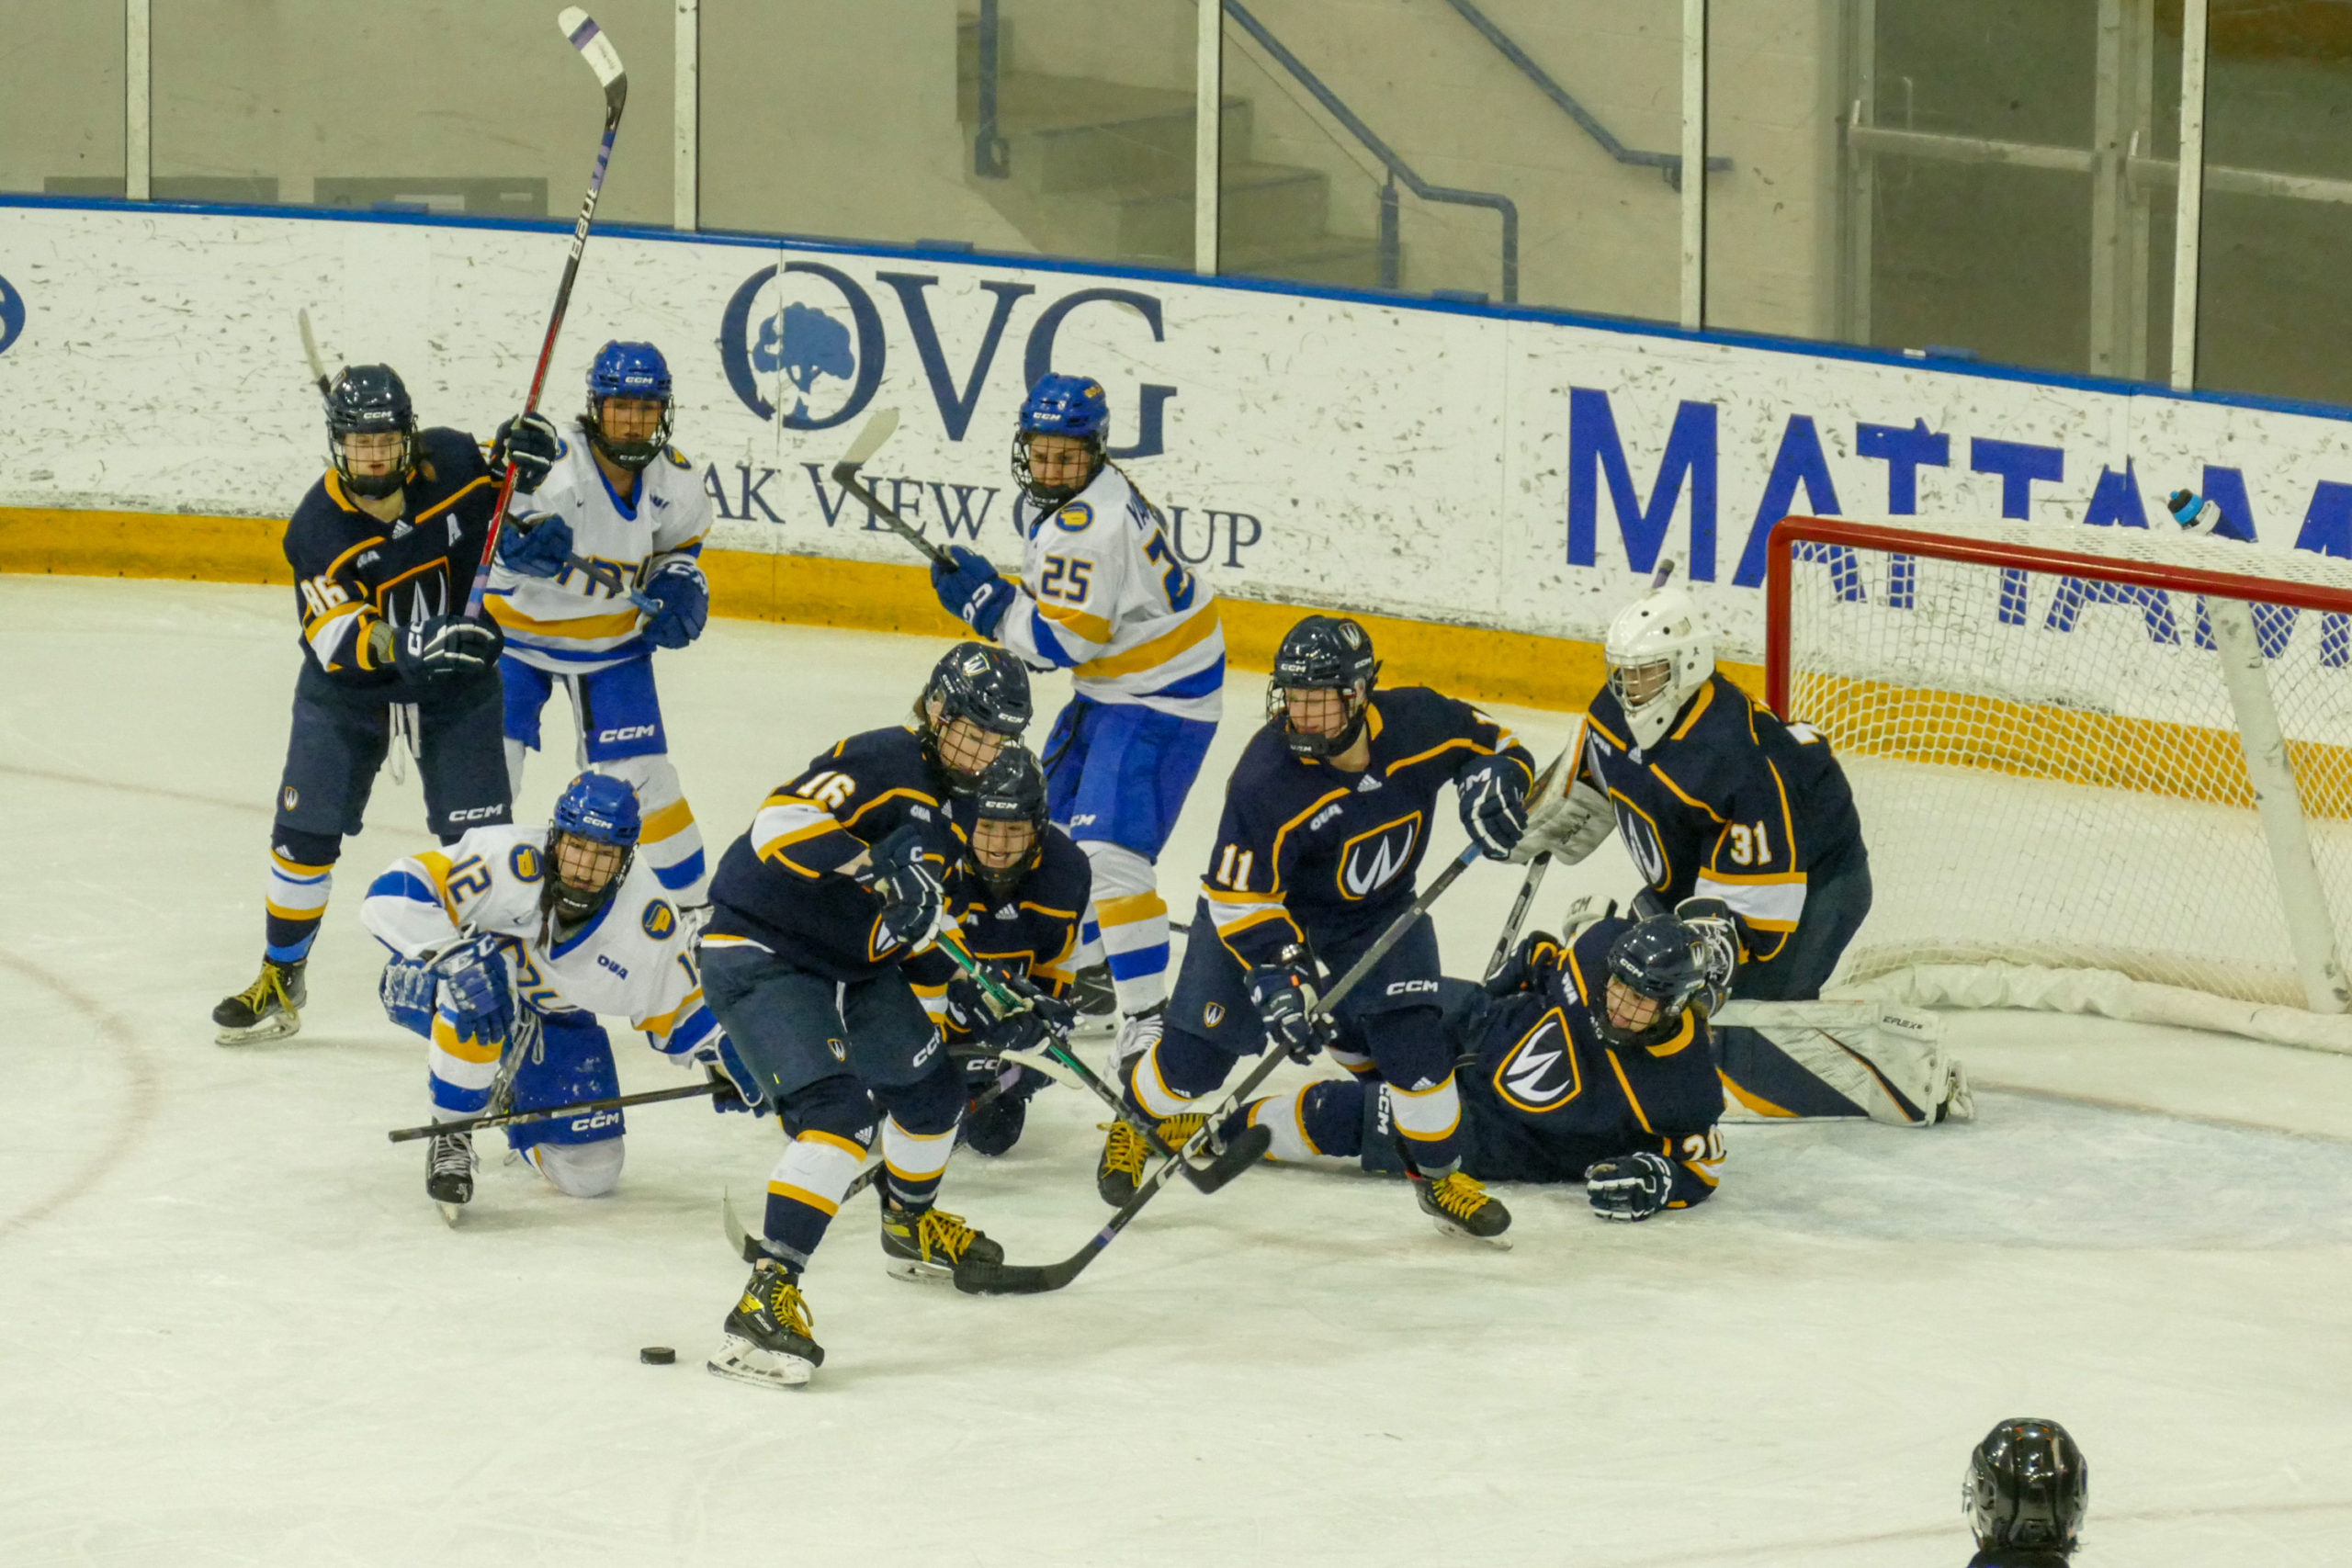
2055, 766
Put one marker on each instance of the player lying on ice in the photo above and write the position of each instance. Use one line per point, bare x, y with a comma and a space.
1717, 798
506, 945
1589, 1061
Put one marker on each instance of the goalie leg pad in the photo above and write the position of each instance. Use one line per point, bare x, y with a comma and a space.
1782, 1059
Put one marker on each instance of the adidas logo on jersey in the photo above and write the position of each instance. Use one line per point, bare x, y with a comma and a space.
1006, 912
1367, 784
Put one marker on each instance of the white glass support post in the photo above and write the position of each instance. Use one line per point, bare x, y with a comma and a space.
138, 101
685, 173
1695, 165
1208, 131
2190, 193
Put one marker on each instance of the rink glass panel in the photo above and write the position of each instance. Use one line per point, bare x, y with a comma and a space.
2048, 765
434, 105
60, 97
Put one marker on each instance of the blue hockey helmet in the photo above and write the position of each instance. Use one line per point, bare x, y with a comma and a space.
2028, 1486
589, 843
986, 688
634, 370
1073, 406
1661, 960
1323, 653
368, 399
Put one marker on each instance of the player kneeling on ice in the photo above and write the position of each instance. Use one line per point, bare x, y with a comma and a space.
506, 946
1019, 897
1586, 1061
817, 913
620, 496
1718, 800
1327, 817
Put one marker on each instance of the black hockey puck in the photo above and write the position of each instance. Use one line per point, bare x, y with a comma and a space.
657, 1355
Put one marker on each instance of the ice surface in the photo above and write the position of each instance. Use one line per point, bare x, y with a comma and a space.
232, 1330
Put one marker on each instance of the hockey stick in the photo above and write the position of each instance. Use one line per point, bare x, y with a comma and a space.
1536, 867
1017, 1280
515, 1117
869, 441
606, 60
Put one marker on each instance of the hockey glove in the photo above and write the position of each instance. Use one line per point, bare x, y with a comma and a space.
1710, 921
1630, 1186
538, 544
1537, 955
476, 995
972, 589
1494, 805
445, 647
528, 444
913, 899
684, 594
1283, 994
2194, 512
1570, 827
407, 991
738, 1089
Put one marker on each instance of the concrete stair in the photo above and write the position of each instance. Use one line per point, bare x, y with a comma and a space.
1104, 171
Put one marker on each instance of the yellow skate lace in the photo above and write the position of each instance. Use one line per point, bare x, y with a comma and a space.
784, 1302
272, 983
941, 1232
1124, 1151
1176, 1131
1459, 1195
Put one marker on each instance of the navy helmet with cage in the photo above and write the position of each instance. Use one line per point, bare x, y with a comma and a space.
634, 370
1664, 960
2028, 1486
1012, 791
1323, 653
595, 808
985, 686
1073, 406
368, 399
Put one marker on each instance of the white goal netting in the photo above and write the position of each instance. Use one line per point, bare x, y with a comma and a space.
2050, 771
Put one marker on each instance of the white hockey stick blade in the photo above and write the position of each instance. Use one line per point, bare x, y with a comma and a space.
311, 350
1048, 1066
594, 46
878, 429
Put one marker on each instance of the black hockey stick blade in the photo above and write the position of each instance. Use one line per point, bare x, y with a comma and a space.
1248, 1147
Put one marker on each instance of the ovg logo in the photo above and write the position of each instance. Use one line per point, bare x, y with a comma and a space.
1370, 861
12, 315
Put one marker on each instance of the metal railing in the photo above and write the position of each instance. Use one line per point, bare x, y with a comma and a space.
1390, 244
1667, 163
991, 158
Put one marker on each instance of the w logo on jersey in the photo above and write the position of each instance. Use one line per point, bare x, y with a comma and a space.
1541, 1071
1370, 861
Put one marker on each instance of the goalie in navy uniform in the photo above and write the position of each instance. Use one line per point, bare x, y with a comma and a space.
1717, 799
384, 549
1587, 1061
1326, 820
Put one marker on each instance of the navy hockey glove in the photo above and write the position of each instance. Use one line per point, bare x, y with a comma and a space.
445, 647
536, 546
530, 446
737, 1089
1537, 955
972, 589
1710, 921
684, 594
1630, 1186
912, 895
1282, 993
1494, 805
476, 992
407, 990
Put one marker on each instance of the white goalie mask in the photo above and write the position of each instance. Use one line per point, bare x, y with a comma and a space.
1659, 653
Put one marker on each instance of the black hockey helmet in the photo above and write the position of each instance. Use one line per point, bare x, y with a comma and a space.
1323, 653
368, 399
2028, 1485
987, 688
1012, 792
1662, 958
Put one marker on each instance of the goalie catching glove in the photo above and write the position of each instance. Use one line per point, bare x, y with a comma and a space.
1566, 825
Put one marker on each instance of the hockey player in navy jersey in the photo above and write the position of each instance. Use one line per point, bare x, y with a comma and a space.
1587, 1062
1019, 897
816, 912
1326, 820
384, 548
1103, 596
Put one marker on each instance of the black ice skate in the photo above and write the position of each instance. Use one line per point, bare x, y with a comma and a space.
1119, 1170
269, 1009
449, 1173
927, 1244
769, 1341
1091, 992
1461, 1207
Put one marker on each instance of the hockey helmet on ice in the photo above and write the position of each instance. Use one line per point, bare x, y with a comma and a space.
1660, 965
368, 401
635, 371
1009, 817
1322, 654
2028, 1485
1069, 406
590, 844
976, 701
1659, 653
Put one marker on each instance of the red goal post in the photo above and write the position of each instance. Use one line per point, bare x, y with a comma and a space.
2112, 776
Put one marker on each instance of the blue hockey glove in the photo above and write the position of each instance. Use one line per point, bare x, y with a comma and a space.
1494, 805
739, 1088
912, 895
530, 446
972, 589
1630, 1186
407, 990
1285, 1002
1537, 955
445, 647
538, 544
684, 594
477, 993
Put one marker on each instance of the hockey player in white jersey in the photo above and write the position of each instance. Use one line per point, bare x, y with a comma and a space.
506, 945
1104, 595
619, 495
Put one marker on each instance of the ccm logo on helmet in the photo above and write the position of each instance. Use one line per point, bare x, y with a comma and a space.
477, 814
633, 732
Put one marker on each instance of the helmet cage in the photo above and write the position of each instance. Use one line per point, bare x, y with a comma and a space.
1662, 628
1661, 960
1052, 497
